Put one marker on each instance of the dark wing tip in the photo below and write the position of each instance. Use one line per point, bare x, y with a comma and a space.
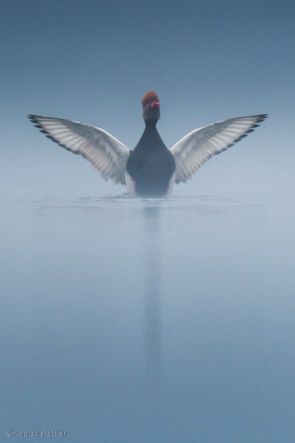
34, 119
31, 117
36, 122
261, 117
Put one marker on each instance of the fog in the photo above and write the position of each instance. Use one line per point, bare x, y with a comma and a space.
126, 319
147, 320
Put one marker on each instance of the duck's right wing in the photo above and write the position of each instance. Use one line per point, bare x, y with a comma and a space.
107, 154
200, 144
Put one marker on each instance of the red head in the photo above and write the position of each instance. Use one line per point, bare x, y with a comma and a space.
151, 106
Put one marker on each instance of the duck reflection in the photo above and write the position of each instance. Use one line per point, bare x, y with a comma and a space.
152, 293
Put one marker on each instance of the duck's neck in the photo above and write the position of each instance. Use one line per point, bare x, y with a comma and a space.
151, 123
150, 132
150, 138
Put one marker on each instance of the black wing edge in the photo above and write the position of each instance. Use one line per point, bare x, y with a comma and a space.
35, 120
259, 119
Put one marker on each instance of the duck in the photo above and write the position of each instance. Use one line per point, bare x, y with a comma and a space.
151, 169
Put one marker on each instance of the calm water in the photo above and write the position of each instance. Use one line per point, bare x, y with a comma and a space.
127, 320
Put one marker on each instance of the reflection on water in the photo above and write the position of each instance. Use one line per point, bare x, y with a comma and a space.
152, 288
104, 298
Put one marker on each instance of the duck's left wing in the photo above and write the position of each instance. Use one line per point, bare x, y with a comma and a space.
199, 145
107, 154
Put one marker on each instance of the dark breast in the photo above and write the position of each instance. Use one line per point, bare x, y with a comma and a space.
151, 165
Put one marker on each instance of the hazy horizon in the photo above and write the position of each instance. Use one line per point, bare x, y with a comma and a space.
148, 320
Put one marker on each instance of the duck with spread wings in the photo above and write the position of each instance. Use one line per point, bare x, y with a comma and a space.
150, 169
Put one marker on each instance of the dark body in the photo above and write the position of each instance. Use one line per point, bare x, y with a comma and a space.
151, 165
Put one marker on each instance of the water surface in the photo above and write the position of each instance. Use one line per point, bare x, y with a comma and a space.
128, 320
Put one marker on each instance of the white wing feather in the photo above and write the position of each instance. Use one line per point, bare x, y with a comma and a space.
200, 144
107, 154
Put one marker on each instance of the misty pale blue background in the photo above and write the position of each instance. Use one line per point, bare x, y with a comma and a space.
140, 320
